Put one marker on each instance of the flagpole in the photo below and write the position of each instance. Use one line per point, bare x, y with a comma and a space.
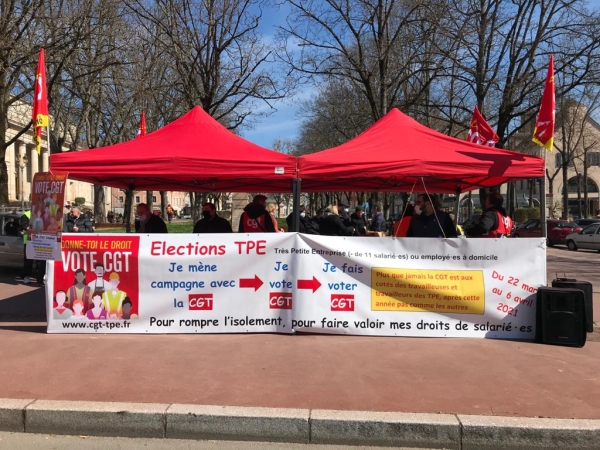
543, 200
543, 133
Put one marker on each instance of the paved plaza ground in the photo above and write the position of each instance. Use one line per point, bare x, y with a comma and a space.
435, 375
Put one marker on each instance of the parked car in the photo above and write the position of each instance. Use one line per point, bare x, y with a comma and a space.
556, 230
585, 222
11, 240
186, 212
588, 238
518, 226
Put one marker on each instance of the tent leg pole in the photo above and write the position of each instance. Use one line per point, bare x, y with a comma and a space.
543, 206
457, 207
295, 205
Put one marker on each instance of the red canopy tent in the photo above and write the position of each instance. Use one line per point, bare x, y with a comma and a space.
193, 153
396, 152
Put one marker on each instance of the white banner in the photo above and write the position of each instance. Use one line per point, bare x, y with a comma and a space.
287, 282
43, 246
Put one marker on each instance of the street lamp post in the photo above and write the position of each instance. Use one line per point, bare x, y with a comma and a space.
22, 163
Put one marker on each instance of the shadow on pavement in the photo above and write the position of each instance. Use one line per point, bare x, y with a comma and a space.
25, 307
26, 328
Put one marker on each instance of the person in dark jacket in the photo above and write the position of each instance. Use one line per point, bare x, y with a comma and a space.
494, 222
303, 220
332, 225
256, 218
148, 222
430, 221
211, 222
344, 211
317, 218
359, 221
378, 221
77, 222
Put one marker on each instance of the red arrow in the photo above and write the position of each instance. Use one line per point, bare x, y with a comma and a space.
309, 284
251, 283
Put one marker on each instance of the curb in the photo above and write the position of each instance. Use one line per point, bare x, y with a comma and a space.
176, 421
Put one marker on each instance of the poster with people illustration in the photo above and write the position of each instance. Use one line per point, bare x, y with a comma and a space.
46, 220
96, 281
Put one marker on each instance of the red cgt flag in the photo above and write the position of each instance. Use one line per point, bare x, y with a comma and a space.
40, 102
480, 132
142, 129
543, 133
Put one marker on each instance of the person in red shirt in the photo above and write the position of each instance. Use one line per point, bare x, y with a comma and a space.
494, 222
256, 218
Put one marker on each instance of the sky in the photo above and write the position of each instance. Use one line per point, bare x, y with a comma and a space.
283, 123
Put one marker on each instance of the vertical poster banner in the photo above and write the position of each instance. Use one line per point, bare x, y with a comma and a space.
46, 221
95, 284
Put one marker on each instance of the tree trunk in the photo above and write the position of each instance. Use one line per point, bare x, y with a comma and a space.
551, 197
127, 210
3, 181
579, 208
197, 199
565, 192
531, 185
586, 211
99, 208
149, 201
163, 204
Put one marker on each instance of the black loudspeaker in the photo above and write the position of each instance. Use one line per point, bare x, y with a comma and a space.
587, 289
560, 316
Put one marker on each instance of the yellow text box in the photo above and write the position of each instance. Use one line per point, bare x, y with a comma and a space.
443, 291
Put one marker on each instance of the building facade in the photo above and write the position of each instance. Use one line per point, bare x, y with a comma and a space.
587, 150
116, 200
23, 161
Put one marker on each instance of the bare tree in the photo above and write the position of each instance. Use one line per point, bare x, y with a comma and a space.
95, 78
499, 51
217, 57
18, 53
381, 47
338, 113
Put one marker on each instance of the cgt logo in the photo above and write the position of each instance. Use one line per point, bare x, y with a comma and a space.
200, 302
280, 300
342, 302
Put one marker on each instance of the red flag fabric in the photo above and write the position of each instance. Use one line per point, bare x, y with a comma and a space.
142, 129
480, 132
40, 102
543, 133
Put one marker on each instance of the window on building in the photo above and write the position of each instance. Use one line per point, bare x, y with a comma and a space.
559, 161
154, 199
592, 159
576, 183
137, 199
121, 199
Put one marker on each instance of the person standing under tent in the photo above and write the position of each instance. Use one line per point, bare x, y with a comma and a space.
148, 222
211, 222
332, 225
494, 222
429, 221
256, 218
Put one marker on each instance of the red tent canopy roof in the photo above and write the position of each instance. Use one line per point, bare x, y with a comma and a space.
193, 153
196, 153
397, 153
